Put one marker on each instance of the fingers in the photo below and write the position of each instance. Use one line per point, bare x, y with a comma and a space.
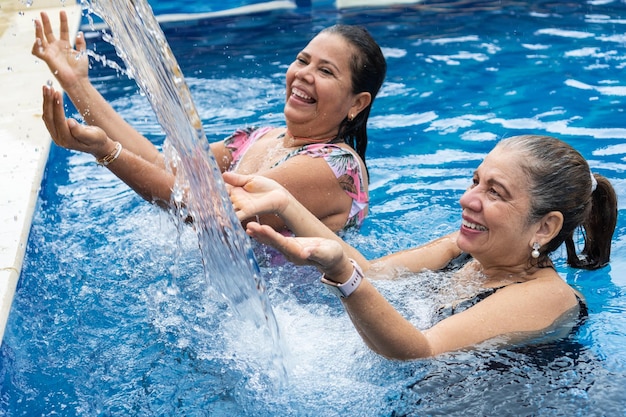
40, 42
59, 116
265, 234
44, 33
65, 28
236, 180
47, 28
48, 113
54, 116
80, 44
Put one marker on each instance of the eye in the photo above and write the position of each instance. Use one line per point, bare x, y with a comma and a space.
493, 192
326, 71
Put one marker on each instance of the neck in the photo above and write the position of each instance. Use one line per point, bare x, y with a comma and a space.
496, 276
291, 139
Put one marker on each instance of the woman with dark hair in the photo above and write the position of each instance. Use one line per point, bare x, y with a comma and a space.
319, 156
530, 195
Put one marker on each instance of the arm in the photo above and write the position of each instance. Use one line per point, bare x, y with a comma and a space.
382, 328
254, 195
515, 313
150, 181
70, 67
434, 256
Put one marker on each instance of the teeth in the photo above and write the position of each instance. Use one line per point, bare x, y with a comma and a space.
300, 94
474, 226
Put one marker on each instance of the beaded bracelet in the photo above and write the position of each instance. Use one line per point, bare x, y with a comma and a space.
107, 159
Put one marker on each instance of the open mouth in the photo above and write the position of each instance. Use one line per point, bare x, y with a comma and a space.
474, 226
302, 96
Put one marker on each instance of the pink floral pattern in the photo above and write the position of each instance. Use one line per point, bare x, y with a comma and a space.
344, 164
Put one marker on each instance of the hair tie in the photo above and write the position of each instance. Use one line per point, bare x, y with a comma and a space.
594, 183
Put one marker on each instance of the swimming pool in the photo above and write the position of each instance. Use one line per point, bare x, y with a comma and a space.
96, 329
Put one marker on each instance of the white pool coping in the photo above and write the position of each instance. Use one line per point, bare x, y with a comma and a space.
24, 140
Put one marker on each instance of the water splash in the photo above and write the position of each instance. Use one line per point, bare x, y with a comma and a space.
229, 263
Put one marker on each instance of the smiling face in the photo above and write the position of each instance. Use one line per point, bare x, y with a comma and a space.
495, 211
319, 88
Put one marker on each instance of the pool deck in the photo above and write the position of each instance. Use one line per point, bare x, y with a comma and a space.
24, 140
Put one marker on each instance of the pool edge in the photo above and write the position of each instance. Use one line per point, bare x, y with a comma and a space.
24, 140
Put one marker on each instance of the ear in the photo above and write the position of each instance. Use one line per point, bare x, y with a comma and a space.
361, 101
548, 227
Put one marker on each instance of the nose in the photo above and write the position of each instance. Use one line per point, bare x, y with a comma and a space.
305, 73
471, 199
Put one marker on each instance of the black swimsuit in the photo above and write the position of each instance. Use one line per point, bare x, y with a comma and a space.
460, 306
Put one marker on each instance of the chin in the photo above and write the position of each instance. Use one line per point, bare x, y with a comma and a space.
463, 244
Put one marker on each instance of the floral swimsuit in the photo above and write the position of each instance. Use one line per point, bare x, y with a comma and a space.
341, 161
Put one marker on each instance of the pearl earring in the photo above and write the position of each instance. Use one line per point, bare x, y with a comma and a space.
535, 251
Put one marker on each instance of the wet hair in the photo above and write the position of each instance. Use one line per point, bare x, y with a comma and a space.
368, 67
560, 180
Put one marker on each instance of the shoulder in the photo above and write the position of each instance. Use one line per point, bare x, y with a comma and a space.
544, 298
244, 135
340, 157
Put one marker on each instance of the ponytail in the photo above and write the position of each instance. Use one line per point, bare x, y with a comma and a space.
597, 229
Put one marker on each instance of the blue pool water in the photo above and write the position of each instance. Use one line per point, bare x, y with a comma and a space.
97, 328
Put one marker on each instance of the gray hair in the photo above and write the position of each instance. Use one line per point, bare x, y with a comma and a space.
559, 180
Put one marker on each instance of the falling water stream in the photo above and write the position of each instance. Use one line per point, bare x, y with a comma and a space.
229, 263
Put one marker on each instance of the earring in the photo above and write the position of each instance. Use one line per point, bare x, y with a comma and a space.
535, 251
351, 118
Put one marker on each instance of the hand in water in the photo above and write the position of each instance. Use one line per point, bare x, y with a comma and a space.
68, 133
68, 65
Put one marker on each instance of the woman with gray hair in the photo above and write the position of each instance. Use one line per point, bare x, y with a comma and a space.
529, 196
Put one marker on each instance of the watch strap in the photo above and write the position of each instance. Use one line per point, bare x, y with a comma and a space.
344, 290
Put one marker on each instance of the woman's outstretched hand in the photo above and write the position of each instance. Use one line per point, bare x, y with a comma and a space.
325, 254
68, 65
70, 134
253, 195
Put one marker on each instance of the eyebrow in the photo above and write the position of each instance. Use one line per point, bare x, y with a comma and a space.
322, 61
498, 184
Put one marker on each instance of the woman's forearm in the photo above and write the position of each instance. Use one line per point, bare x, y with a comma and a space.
381, 326
96, 111
153, 183
433, 255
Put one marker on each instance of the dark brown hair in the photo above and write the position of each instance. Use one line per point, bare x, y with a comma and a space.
368, 68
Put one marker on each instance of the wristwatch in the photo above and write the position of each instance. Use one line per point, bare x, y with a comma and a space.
344, 290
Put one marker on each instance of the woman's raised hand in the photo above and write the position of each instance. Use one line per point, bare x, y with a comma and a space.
68, 65
70, 134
